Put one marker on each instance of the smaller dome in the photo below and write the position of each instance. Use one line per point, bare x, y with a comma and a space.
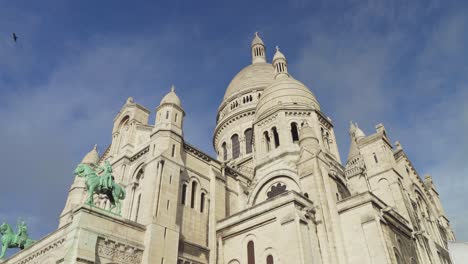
257, 40
171, 98
278, 55
92, 157
355, 131
285, 93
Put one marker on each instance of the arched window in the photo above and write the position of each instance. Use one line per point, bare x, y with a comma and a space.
235, 146
138, 207
194, 193
269, 259
267, 140
375, 158
202, 202
276, 137
397, 257
184, 193
250, 253
276, 190
294, 133
224, 147
136, 195
173, 150
248, 141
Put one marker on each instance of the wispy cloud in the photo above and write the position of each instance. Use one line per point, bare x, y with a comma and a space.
408, 73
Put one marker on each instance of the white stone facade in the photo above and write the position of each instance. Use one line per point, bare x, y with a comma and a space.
276, 193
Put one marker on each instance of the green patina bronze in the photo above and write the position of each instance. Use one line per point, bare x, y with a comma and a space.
11, 240
104, 184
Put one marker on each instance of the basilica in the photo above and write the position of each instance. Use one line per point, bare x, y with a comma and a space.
277, 191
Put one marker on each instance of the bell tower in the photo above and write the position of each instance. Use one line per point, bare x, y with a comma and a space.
258, 50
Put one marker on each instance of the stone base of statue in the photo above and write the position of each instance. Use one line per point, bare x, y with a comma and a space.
93, 236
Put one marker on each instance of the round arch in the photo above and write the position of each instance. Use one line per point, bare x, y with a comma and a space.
287, 177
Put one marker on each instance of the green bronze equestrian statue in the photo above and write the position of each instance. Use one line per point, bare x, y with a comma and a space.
104, 184
11, 240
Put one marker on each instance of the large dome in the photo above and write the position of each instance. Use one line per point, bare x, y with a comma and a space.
254, 76
285, 92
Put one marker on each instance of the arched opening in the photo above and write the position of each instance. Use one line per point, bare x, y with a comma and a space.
267, 141
224, 147
294, 132
184, 193
138, 207
136, 195
397, 257
194, 193
276, 137
269, 259
375, 158
235, 146
202, 202
124, 130
276, 190
250, 253
248, 141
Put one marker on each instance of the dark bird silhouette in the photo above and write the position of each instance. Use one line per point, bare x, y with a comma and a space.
15, 38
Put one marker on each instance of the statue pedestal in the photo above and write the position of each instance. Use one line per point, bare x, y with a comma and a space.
92, 236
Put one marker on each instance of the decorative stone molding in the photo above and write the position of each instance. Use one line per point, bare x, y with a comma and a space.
324, 121
119, 252
197, 153
297, 113
34, 257
139, 154
225, 123
268, 120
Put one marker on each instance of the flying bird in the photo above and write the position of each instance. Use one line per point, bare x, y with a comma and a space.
14, 37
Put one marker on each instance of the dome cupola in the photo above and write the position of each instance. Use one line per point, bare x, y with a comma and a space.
355, 134
92, 157
258, 50
171, 98
284, 92
280, 64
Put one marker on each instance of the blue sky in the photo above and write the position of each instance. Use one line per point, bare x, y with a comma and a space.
400, 63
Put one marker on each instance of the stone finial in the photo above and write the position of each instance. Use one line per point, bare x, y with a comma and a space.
172, 88
428, 179
355, 131
380, 128
398, 145
130, 100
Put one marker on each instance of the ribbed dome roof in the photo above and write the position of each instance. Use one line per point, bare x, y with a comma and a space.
171, 98
92, 157
254, 76
285, 92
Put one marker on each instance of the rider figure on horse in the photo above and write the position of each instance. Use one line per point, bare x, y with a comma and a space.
22, 235
106, 178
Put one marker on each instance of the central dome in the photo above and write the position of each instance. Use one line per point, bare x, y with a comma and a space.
252, 77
